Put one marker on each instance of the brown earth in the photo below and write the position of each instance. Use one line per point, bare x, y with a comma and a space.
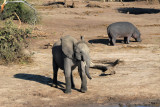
137, 78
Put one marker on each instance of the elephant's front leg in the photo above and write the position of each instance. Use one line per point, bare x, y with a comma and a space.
81, 70
67, 72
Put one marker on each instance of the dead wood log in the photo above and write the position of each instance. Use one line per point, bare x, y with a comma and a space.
105, 68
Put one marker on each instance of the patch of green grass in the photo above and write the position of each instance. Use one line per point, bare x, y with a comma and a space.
12, 44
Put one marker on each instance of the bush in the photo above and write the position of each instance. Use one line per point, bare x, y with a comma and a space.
25, 13
12, 43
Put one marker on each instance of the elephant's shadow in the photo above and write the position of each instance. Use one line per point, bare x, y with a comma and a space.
103, 41
41, 79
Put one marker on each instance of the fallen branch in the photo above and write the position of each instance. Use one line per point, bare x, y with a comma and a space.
18, 19
105, 68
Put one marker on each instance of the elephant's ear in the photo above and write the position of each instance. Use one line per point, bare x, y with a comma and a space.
68, 43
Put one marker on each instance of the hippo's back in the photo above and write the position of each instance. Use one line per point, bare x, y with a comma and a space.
121, 29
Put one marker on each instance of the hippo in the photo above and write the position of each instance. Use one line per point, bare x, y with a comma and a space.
123, 29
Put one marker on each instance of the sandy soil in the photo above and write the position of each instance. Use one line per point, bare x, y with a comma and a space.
137, 78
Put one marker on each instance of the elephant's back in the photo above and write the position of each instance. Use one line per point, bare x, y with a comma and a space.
56, 47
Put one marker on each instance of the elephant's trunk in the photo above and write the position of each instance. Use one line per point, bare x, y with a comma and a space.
87, 71
87, 66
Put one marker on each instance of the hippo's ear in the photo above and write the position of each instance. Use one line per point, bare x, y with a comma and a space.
68, 43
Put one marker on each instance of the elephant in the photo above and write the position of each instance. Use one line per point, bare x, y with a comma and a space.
68, 53
123, 29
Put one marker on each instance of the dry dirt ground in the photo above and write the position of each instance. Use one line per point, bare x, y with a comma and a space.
137, 78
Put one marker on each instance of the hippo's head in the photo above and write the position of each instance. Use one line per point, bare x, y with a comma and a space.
138, 39
137, 35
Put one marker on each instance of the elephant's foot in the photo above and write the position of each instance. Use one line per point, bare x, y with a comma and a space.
67, 91
54, 85
83, 90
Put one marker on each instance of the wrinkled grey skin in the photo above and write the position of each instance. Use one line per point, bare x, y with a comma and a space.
67, 54
123, 29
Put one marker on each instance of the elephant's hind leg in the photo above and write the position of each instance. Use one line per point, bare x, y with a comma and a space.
55, 72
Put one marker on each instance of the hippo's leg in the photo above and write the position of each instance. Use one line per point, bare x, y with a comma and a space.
110, 41
113, 41
125, 40
128, 38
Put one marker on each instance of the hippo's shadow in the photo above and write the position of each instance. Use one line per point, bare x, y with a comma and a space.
103, 74
41, 79
54, 3
138, 11
104, 41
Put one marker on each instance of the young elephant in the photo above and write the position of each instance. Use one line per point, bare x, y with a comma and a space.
123, 29
67, 54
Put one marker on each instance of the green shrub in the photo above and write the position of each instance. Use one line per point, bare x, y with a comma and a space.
12, 43
25, 13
